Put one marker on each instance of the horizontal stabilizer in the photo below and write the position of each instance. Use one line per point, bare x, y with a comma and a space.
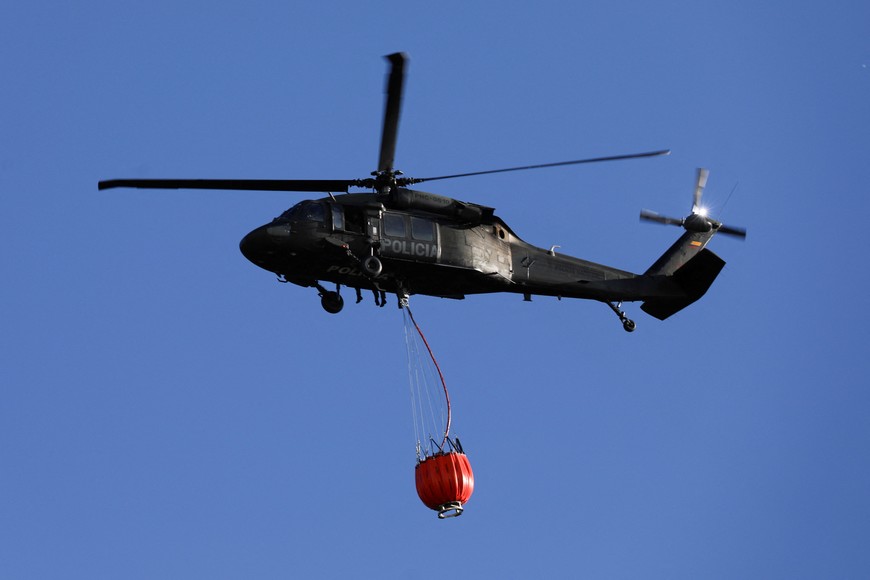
693, 278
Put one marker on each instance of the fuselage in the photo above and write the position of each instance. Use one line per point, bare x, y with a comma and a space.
451, 254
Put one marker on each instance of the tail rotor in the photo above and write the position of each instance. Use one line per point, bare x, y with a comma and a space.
697, 221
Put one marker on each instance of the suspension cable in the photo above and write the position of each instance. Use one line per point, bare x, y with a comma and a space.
440, 374
412, 382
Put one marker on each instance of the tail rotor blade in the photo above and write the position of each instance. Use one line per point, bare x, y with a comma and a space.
395, 85
733, 231
699, 188
652, 216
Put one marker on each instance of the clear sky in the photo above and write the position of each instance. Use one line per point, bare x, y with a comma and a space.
171, 411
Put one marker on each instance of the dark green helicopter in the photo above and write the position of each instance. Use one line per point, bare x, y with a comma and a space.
405, 241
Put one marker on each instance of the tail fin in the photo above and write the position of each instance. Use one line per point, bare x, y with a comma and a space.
693, 277
687, 264
686, 248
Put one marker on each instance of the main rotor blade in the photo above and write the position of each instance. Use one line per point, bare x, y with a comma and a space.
391, 110
652, 216
322, 185
699, 188
558, 164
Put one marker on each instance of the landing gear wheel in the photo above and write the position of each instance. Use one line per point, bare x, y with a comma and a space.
373, 266
627, 323
332, 302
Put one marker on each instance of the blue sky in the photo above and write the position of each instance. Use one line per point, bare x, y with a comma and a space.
170, 411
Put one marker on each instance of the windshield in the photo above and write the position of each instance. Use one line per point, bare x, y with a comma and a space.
292, 211
305, 211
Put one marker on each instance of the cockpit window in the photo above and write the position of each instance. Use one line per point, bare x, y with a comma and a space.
312, 211
291, 212
337, 218
306, 211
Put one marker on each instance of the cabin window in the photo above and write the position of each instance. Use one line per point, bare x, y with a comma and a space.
422, 229
394, 225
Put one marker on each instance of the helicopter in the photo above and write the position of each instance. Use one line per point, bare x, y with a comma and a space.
402, 241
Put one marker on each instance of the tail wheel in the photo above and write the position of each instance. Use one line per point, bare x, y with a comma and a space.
627, 323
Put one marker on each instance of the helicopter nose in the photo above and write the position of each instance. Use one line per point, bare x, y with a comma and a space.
258, 246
